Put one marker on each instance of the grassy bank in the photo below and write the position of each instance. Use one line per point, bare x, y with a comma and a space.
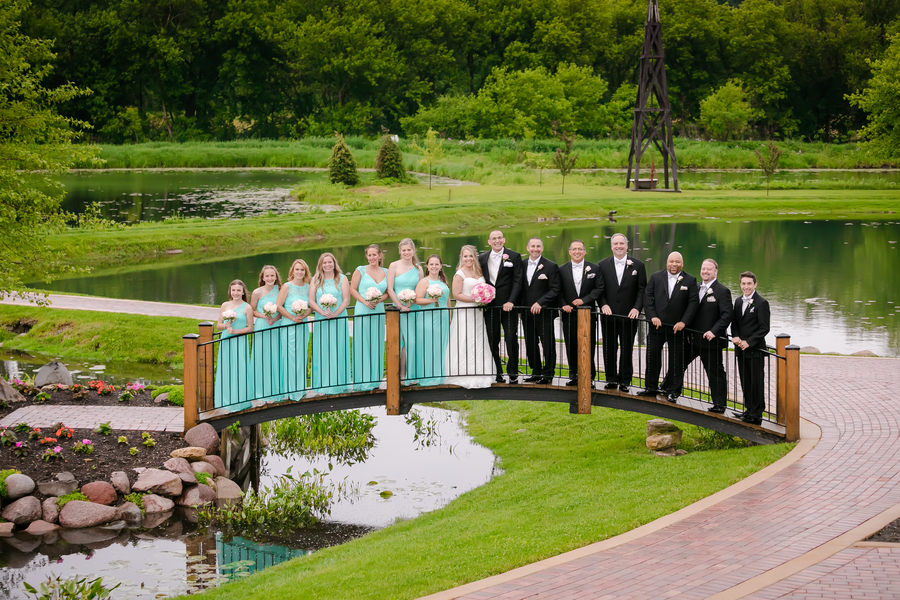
415, 210
568, 481
94, 336
471, 160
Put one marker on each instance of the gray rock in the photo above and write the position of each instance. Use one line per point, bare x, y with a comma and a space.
217, 464
52, 373
860, 353
661, 441
203, 436
197, 495
187, 478
50, 510
65, 476
660, 426
88, 535
666, 452
130, 513
101, 492
8, 393
24, 510
120, 482
18, 486
190, 453
178, 465
204, 467
153, 520
23, 543
157, 481
7, 528
57, 488
161, 398
40, 527
77, 514
117, 525
680, 452
227, 492
157, 504
50, 388
810, 350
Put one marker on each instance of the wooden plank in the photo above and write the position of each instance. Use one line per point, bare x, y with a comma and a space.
585, 383
206, 366
792, 394
392, 355
191, 342
782, 341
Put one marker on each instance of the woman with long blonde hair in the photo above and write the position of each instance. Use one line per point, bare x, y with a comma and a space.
403, 275
329, 295
234, 377
295, 331
369, 320
434, 322
266, 349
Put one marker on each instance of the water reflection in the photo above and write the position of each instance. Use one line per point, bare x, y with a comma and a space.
18, 364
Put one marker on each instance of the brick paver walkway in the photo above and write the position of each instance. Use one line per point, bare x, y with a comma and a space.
134, 307
852, 475
134, 418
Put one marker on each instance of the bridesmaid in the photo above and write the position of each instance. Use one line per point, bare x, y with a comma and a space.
434, 330
404, 274
331, 337
368, 331
295, 332
266, 350
234, 378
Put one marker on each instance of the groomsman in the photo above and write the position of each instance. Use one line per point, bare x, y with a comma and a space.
714, 315
502, 268
748, 331
541, 291
624, 281
580, 285
671, 302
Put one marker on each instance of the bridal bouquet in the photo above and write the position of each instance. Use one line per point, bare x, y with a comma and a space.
299, 306
483, 293
269, 309
407, 297
434, 291
373, 294
328, 301
229, 316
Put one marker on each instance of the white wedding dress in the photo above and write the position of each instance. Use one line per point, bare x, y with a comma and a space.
469, 362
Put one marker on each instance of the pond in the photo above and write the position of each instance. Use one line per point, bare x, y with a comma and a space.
178, 556
16, 364
833, 284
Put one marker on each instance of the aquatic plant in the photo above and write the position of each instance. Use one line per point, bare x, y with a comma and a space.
71, 588
344, 436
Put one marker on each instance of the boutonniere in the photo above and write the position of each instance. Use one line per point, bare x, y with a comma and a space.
708, 291
505, 256
750, 302
541, 266
628, 263
586, 269
679, 278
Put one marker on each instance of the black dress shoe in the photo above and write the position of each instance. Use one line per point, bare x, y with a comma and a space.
545, 381
500, 379
624, 388
611, 386
737, 415
572, 382
649, 393
672, 398
716, 409
514, 379
751, 420
533, 379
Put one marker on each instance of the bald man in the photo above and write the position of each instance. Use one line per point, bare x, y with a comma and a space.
670, 302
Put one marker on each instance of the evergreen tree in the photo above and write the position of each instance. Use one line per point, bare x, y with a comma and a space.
389, 161
341, 165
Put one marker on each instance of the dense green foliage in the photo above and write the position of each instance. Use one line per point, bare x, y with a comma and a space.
881, 99
66, 498
341, 165
195, 69
3, 475
344, 436
389, 160
176, 393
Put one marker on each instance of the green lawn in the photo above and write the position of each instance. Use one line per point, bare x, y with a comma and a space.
567, 481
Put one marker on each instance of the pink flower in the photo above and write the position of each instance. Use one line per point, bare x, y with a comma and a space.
88, 442
18, 444
57, 450
506, 257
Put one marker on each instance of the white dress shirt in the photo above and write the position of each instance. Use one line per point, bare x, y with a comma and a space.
620, 267
577, 275
746, 303
673, 281
494, 261
704, 287
532, 267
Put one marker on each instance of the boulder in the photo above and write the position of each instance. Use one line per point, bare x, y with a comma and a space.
157, 481
810, 350
203, 436
157, 504
197, 495
77, 514
178, 465
53, 373
18, 486
8, 393
24, 543
57, 488
50, 510
667, 452
227, 492
130, 513
40, 527
24, 510
153, 520
660, 426
65, 476
661, 441
164, 397
7, 528
88, 535
217, 464
860, 353
120, 482
100, 492
190, 453
50, 388
204, 467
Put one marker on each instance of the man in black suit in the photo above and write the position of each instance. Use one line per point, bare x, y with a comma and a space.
502, 268
541, 290
748, 331
624, 281
714, 314
580, 285
670, 301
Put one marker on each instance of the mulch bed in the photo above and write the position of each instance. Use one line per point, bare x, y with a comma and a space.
890, 534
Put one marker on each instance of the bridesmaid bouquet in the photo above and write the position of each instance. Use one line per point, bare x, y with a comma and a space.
328, 301
299, 306
434, 291
407, 297
483, 293
229, 316
270, 310
373, 294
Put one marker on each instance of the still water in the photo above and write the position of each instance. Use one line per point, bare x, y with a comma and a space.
833, 284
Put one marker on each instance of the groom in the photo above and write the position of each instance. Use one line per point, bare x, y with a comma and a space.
502, 268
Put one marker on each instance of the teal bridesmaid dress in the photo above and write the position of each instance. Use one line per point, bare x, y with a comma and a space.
368, 336
432, 338
295, 339
408, 323
331, 346
267, 353
234, 377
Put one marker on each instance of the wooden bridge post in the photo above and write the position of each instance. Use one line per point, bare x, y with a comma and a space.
792, 393
585, 381
392, 355
781, 342
205, 367
191, 343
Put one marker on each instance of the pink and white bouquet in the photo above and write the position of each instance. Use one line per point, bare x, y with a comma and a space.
434, 291
373, 294
269, 309
483, 294
407, 297
328, 301
299, 306
229, 316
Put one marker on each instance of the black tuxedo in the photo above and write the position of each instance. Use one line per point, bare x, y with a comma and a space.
752, 325
509, 288
591, 290
680, 307
543, 290
621, 298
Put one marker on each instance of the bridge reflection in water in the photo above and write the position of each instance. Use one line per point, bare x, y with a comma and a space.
309, 367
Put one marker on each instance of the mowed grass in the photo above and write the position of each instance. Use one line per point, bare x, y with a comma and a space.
567, 481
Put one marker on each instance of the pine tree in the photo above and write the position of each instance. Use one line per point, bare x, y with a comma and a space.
389, 161
341, 165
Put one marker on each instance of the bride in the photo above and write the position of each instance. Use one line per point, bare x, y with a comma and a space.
469, 361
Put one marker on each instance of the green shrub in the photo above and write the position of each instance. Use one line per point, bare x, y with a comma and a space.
176, 393
3, 475
342, 165
389, 161
65, 499
71, 589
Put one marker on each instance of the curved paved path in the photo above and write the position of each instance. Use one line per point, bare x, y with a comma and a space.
791, 535
115, 305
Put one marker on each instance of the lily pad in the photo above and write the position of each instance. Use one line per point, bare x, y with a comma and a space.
387, 494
